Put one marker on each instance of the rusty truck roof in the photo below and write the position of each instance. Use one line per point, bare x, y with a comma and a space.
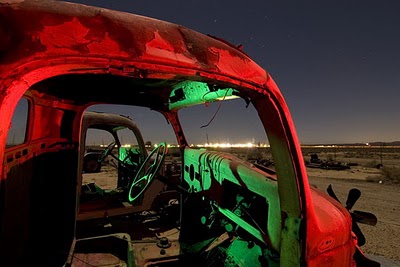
37, 34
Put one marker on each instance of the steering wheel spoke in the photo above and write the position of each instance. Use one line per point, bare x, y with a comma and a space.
147, 171
106, 152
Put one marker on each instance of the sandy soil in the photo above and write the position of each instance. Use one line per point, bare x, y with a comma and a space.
381, 199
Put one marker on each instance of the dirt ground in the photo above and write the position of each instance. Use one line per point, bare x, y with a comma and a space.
381, 199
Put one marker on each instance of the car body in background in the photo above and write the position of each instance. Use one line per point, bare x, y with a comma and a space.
62, 58
91, 162
111, 123
105, 193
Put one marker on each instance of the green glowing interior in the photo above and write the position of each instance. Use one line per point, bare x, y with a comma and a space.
189, 93
124, 155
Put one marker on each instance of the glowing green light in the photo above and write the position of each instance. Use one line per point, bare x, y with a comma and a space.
189, 93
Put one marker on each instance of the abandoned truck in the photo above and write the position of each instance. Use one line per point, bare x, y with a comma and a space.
117, 126
58, 59
95, 200
106, 194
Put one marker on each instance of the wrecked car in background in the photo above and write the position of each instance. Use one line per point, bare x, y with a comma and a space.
105, 192
116, 125
62, 58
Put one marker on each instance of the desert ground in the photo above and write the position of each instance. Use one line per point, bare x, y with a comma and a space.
380, 189
381, 199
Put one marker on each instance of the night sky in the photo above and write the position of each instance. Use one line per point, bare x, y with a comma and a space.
337, 63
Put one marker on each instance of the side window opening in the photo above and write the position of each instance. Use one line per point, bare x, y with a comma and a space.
17, 132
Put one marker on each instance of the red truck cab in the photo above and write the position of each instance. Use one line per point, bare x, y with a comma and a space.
63, 58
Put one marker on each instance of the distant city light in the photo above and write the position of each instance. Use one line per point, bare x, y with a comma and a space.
228, 145
247, 145
213, 145
126, 145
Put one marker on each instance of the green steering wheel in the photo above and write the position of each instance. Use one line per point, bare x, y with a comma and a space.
146, 174
106, 152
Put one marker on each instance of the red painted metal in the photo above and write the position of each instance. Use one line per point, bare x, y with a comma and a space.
42, 39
